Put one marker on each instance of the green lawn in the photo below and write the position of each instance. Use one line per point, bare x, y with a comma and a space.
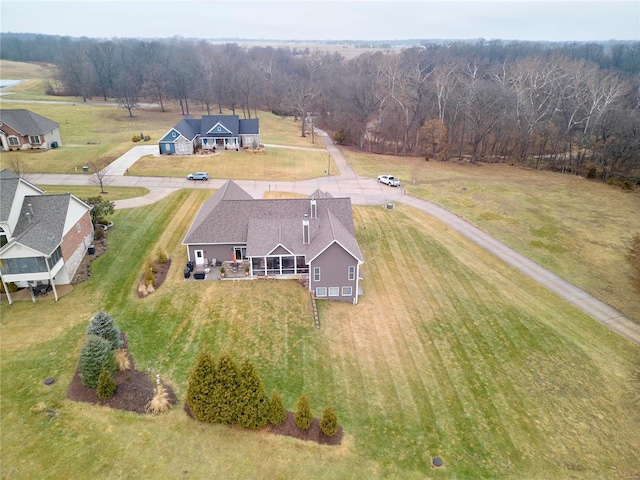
449, 353
112, 193
274, 163
577, 228
91, 131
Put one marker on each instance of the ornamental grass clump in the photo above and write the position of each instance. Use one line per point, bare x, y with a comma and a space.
122, 360
160, 403
161, 257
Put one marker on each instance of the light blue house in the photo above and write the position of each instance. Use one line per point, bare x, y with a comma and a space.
211, 132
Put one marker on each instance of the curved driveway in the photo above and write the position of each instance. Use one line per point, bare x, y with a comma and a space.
363, 191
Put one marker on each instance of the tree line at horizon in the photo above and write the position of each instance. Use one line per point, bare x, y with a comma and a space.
569, 107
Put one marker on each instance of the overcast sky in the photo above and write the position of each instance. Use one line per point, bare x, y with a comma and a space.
569, 20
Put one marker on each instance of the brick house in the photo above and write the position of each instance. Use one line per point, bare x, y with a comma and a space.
43, 238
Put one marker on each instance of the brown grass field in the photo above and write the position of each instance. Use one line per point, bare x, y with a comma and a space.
577, 228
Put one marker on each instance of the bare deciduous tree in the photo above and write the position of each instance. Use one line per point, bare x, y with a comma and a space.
100, 175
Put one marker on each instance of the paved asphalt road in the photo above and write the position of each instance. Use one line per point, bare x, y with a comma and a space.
363, 191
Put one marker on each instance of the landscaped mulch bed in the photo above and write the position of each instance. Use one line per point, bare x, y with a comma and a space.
290, 429
134, 389
162, 269
314, 433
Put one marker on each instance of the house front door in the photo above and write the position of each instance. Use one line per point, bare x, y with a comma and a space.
199, 257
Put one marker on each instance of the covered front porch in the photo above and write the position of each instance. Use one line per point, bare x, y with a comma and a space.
219, 143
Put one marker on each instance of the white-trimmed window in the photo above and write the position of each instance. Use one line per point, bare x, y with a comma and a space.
316, 274
352, 273
34, 139
334, 291
347, 291
13, 141
321, 291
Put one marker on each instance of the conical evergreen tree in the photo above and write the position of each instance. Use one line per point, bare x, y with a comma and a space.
225, 393
95, 355
253, 404
329, 422
277, 415
102, 325
200, 392
303, 415
106, 385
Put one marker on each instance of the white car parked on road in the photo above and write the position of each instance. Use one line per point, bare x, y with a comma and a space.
389, 180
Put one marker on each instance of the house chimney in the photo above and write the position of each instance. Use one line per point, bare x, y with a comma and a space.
314, 211
305, 229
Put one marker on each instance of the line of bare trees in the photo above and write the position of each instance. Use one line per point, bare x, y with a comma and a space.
537, 106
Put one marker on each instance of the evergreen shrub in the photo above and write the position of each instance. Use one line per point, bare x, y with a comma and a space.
102, 325
201, 387
252, 404
277, 415
303, 415
329, 422
106, 385
95, 355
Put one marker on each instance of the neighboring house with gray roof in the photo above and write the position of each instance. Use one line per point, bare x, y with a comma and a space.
43, 238
211, 132
306, 238
22, 129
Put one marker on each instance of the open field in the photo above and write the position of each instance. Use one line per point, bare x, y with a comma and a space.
574, 227
449, 353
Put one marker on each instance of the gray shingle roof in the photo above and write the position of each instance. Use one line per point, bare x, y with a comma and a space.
8, 186
26, 122
190, 127
249, 126
41, 222
233, 216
